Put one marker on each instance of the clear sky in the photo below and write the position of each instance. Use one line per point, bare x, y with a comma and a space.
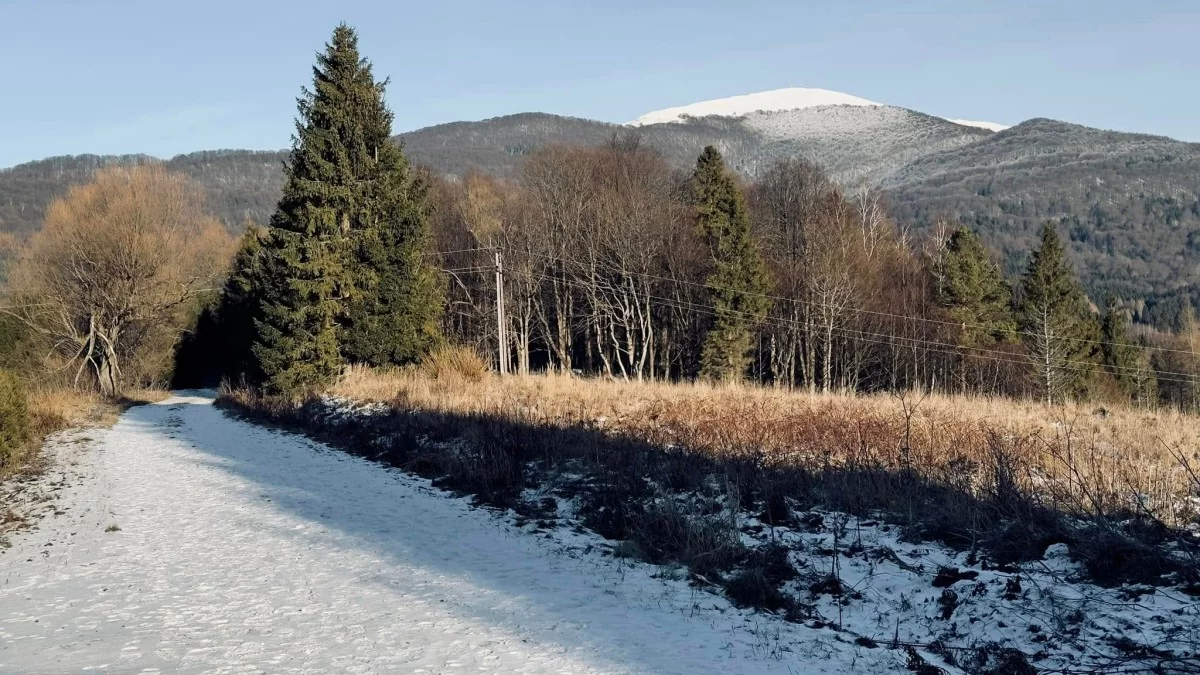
168, 76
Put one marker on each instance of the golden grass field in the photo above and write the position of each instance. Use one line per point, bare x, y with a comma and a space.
1078, 458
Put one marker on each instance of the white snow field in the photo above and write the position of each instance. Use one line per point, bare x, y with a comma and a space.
243, 549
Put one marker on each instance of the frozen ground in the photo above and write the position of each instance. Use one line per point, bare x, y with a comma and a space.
185, 541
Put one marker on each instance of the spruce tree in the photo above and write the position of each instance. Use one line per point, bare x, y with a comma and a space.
239, 309
738, 281
973, 291
342, 257
1058, 326
974, 295
1121, 359
396, 317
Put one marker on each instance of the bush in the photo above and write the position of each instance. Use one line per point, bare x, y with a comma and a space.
14, 417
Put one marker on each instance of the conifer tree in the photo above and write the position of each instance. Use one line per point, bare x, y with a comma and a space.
342, 255
974, 292
239, 310
974, 295
738, 282
396, 317
1058, 326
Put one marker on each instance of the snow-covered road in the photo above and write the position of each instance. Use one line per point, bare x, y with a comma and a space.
242, 549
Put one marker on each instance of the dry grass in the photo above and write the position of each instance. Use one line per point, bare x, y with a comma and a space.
1077, 458
999, 477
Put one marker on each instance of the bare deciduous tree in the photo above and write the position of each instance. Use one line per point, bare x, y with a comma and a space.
106, 281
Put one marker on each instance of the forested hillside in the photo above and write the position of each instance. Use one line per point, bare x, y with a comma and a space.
240, 185
1130, 203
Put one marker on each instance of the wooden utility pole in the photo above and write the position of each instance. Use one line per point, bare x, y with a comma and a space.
501, 324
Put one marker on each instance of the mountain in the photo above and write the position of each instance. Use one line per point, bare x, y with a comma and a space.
497, 146
1129, 202
856, 140
776, 100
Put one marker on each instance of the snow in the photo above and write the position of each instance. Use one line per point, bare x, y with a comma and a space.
246, 549
898, 588
776, 100
791, 98
990, 126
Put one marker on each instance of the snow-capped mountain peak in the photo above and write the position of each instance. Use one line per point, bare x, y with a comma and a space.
776, 100
791, 98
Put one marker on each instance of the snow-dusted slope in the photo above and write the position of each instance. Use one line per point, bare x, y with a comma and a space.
854, 144
776, 100
792, 98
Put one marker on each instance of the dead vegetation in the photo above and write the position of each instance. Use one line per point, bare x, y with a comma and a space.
1003, 478
699, 478
1076, 459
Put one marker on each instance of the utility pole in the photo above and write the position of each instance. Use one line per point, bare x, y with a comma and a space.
501, 325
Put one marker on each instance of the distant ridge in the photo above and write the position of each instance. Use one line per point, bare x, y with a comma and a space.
1129, 204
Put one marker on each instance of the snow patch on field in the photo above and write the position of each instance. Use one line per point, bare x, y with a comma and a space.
869, 583
185, 541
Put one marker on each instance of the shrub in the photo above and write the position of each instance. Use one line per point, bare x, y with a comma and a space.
14, 417
462, 363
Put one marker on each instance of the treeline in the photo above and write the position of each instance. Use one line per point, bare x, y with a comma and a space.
1129, 205
617, 265
239, 185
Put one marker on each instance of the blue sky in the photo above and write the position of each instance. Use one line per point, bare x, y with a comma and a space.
125, 76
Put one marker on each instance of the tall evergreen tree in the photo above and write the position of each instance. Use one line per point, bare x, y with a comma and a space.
1058, 326
1120, 358
239, 310
220, 344
738, 282
326, 263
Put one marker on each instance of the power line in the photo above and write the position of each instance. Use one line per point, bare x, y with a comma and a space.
858, 310
932, 346
928, 345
